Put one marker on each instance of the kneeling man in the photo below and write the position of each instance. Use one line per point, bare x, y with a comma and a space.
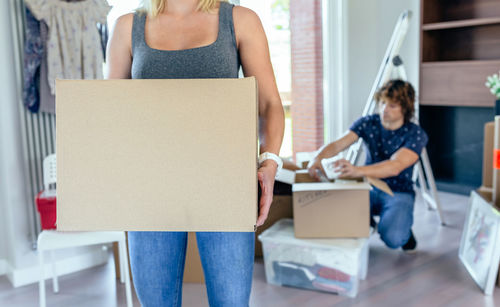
393, 145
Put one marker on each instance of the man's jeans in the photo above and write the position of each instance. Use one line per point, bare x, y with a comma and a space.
396, 216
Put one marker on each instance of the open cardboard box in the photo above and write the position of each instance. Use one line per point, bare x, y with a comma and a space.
338, 209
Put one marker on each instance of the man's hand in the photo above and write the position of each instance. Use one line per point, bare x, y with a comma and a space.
266, 175
347, 169
314, 168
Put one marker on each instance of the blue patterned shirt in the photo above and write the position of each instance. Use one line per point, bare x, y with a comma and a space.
381, 144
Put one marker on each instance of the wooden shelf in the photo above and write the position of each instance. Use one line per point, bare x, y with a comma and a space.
457, 83
461, 44
460, 47
446, 64
460, 23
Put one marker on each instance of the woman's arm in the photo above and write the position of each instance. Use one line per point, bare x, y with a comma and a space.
254, 54
255, 60
119, 49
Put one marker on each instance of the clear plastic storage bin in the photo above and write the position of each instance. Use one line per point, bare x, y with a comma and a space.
329, 265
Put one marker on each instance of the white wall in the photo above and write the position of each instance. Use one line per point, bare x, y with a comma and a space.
12, 197
388, 13
369, 26
3, 245
362, 39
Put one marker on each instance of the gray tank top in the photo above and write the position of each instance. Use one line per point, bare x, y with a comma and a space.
217, 60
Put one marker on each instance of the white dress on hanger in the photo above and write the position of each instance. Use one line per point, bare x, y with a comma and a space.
74, 49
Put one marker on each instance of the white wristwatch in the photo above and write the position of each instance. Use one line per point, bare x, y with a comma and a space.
270, 156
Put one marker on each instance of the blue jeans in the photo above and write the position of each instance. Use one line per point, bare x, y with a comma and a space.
396, 216
157, 261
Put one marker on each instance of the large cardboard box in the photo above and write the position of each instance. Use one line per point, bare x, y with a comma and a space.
489, 135
193, 269
339, 209
165, 155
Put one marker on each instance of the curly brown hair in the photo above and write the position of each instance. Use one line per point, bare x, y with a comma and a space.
400, 92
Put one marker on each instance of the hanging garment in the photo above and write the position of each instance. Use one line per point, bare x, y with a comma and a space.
103, 32
47, 99
33, 54
74, 48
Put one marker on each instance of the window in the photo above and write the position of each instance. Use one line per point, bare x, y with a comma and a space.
275, 17
121, 7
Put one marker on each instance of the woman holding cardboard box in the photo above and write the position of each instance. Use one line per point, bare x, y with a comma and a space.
393, 146
169, 39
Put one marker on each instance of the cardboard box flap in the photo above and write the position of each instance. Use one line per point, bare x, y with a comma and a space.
302, 176
380, 184
304, 182
324, 186
285, 176
289, 165
287, 173
303, 158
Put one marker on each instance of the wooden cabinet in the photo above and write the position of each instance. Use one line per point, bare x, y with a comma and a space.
460, 46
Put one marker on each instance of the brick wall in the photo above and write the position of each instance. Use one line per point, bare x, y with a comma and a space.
307, 74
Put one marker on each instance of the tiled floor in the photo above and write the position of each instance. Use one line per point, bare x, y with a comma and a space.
432, 277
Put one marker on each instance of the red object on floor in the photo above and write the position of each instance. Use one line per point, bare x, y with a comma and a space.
46, 206
333, 274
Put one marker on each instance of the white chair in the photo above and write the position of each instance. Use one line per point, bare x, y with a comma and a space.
50, 240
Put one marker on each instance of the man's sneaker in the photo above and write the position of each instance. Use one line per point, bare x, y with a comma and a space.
373, 225
410, 247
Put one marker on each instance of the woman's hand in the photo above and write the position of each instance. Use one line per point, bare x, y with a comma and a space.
266, 175
315, 167
347, 169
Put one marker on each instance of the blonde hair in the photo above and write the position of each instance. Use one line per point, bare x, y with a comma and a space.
155, 7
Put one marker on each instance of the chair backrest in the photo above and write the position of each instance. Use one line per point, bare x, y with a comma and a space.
49, 171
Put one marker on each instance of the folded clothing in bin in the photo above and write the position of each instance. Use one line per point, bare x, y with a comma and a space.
331, 265
308, 277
